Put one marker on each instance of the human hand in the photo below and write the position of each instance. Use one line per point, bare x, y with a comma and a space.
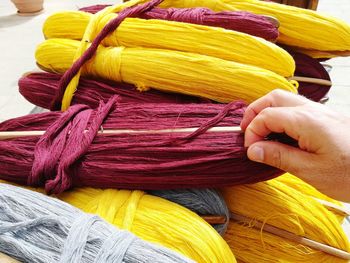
323, 156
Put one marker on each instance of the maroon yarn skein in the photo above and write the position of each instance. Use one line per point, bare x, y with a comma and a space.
245, 22
71, 154
307, 66
40, 88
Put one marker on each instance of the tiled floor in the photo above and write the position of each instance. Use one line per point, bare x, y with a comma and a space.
20, 35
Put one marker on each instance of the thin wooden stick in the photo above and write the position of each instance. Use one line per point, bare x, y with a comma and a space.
323, 82
214, 220
292, 237
4, 135
341, 209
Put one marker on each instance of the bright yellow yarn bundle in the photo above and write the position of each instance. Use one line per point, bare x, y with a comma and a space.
212, 41
281, 205
153, 219
175, 71
299, 27
298, 184
251, 245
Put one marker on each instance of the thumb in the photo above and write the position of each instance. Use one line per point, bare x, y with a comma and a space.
279, 155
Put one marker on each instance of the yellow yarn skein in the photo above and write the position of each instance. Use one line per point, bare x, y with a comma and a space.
73, 84
298, 27
153, 219
174, 71
251, 245
298, 184
321, 54
279, 205
213, 41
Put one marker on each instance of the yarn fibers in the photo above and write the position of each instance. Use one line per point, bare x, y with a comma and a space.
212, 41
153, 219
182, 72
299, 27
245, 22
201, 201
254, 245
309, 67
318, 54
153, 161
40, 89
37, 228
282, 206
298, 184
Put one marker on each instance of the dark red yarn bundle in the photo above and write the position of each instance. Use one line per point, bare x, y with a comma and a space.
241, 21
307, 66
71, 154
40, 88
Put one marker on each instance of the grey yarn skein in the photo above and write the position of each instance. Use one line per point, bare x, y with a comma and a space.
200, 201
38, 228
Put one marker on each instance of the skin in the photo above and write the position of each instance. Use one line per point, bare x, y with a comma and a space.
323, 156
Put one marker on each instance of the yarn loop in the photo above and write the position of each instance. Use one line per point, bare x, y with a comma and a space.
51, 154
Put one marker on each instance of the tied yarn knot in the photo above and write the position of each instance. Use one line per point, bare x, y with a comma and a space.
38, 228
187, 15
88, 54
77, 238
145, 160
68, 139
64, 143
252, 24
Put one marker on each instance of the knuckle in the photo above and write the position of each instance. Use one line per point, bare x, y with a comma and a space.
265, 113
279, 159
277, 93
276, 159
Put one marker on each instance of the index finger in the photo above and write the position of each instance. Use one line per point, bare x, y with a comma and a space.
276, 98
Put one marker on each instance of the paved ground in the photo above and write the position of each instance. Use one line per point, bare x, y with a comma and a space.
20, 35
340, 73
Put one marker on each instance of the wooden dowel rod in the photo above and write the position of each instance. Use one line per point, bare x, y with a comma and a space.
323, 82
344, 210
4, 135
214, 220
292, 237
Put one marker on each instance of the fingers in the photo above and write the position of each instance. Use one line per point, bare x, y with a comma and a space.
278, 120
281, 156
276, 98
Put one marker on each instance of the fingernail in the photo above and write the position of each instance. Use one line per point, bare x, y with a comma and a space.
256, 153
